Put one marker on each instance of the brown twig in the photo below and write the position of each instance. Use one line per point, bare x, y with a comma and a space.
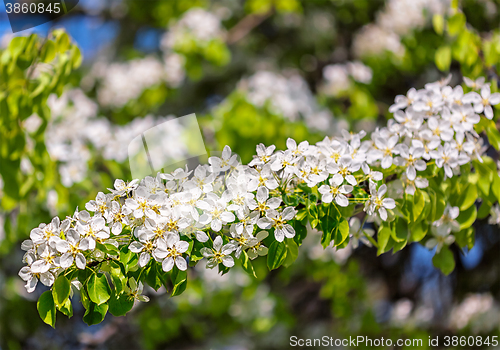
243, 27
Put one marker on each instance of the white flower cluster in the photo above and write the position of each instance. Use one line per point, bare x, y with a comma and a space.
121, 82
397, 19
240, 204
494, 218
443, 227
337, 76
75, 129
195, 24
479, 311
287, 96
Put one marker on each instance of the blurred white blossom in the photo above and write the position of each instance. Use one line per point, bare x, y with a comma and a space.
395, 20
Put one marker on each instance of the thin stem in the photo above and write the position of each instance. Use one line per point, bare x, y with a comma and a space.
358, 199
362, 224
370, 238
140, 273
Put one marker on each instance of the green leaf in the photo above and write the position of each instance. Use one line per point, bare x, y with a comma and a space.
418, 231
107, 248
66, 308
98, 288
329, 224
418, 204
63, 42
484, 210
342, 232
301, 214
76, 57
276, 255
438, 24
127, 258
314, 223
400, 232
117, 277
444, 260
61, 290
427, 206
95, 313
125, 255
313, 215
383, 236
443, 58
292, 252
326, 237
329, 231
485, 177
439, 208
490, 53
493, 135
153, 275
467, 217
468, 197
465, 238
247, 264
495, 186
48, 51
179, 281
456, 23
121, 304
16, 45
300, 231
47, 308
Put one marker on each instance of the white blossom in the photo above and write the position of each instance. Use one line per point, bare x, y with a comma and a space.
278, 221
335, 191
219, 253
377, 202
171, 250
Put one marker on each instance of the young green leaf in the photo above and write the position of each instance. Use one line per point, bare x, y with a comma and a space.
443, 58
47, 308
276, 255
383, 238
247, 264
418, 231
467, 217
444, 261
66, 308
98, 288
153, 275
61, 290
438, 23
120, 304
179, 281
95, 313
342, 232
292, 252
468, 197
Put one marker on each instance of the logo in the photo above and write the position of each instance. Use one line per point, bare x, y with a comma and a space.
166, 147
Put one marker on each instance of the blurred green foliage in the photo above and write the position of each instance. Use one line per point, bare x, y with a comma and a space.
31, 68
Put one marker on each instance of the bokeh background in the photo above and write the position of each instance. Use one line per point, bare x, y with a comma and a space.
253, 71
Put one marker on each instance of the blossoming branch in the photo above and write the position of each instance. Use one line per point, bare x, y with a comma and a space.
401, 181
